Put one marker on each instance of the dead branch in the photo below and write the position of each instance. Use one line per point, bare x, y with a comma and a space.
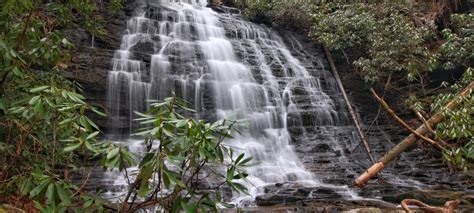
449, 207
400, 121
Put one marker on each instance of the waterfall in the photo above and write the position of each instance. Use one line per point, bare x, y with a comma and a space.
227, 68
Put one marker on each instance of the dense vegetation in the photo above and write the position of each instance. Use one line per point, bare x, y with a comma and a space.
294, 15
396, 45
43, 116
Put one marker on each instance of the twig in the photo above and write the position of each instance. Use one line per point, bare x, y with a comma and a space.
399, 120
420, 116
449, 206
25, 27
86, 180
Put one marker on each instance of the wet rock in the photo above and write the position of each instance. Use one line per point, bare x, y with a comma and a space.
273, 199
325, 193
304, 192
282, 193
321, 148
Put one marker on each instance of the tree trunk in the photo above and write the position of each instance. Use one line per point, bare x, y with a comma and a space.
348, 103
408, 141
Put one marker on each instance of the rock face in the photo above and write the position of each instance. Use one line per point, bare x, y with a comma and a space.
91, 59
324, 141
283, 193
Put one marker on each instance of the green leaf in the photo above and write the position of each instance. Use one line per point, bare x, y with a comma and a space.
3, 104
147, 158
67, 120
88, 203
92, 123
181, 123
239, 187
39, 89
220, 154
16, 110
177, 204
34, 100
39, 176
166, 179
240, 176
92, 135
26, 186
230, 174
144, 190
17, 72
98, 112
110, 163
172, 177
246, 160
210, 203
84, 122
239, 158
113, 153
189, 207
65, 108
72, 147
39, 107
39, 206
90, 147
38, 189
50, 193
146, 173
63, 195
127, 156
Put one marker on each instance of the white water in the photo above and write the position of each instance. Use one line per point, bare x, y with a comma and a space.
194, 57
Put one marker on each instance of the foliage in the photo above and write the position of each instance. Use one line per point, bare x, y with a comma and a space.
43, 116
459, 123
170, 168
290, 15
40, 131
456, 53
257, 11
384, 37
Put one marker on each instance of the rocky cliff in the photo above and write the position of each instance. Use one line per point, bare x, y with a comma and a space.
91, 58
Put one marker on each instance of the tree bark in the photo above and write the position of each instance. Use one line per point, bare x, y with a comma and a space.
348, 104
409, 141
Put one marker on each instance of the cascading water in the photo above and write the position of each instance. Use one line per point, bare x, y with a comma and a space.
226, 68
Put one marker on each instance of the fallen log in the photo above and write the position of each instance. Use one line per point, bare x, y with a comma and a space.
409, 141
449, 207
348, 103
